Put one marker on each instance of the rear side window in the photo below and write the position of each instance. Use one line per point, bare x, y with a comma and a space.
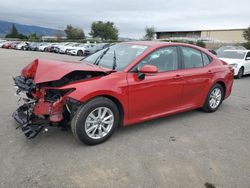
206, 59
192, 58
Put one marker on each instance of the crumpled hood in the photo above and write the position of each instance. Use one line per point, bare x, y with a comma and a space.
230, 61
42, 70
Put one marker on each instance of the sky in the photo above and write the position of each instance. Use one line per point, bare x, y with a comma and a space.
130, 16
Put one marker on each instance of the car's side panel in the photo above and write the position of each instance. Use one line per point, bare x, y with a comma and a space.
197, 84
156, 94
247, 67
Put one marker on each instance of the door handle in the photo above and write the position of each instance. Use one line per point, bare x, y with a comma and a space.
176, 77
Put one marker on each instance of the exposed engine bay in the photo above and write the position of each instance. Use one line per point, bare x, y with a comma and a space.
46, 104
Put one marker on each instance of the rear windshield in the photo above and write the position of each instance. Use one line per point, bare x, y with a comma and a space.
232, 54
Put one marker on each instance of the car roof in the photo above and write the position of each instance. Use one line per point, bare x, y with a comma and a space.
161, 44
147, 43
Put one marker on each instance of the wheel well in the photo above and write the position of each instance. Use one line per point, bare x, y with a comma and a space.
223, 86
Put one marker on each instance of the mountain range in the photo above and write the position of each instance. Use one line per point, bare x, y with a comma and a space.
5, 27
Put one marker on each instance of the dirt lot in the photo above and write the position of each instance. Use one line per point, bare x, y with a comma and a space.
185, 150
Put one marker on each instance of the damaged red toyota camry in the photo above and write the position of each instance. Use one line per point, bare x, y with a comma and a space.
121, 85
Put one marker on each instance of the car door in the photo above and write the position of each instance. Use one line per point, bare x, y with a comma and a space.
247, 63
197, 75
158, 93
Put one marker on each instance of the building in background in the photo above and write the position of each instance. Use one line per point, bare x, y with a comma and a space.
220, 36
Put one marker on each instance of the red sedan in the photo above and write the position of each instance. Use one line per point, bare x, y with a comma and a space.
121, 85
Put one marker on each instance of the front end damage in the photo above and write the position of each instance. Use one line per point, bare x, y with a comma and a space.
43, 92
42, 107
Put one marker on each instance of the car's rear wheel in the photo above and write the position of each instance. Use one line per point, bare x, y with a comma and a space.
80, 53
214, 98
95, 121
240, 73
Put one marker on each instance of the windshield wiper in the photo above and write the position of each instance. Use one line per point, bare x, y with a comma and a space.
98, 59
114, 61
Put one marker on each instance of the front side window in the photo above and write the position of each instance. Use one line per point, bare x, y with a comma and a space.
248, 55
116, 57
191, 58
165, 59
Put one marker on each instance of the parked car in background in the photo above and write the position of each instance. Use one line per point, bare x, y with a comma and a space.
34, 46
121, 85
79, 50
23, 46
96, 48
64, 48
43, 47
2, 42
223, 48
51, 47
7, 45
56, 48
238, 59
14, 44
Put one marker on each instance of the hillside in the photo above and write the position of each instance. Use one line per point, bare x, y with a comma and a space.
26, 29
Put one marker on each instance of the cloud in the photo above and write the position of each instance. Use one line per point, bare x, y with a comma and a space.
130, 16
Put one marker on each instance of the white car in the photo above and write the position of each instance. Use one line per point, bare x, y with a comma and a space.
43, 47
2, 42
66, 46
238, 59
22, 46
79, 50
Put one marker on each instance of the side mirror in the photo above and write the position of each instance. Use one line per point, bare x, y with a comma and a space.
148, 69
248, 58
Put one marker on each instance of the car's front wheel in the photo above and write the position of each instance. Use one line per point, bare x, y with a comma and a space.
214, 98
95, 121
240, 73
80, 53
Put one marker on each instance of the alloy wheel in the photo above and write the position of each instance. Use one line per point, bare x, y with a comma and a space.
99, 122
215, 98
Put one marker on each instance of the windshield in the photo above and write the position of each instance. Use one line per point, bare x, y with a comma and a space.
232, 54
120, 54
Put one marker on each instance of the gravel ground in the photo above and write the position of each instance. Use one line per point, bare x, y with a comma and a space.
192, 149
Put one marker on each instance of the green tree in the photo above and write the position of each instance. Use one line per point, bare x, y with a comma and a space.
150, 33
13, 33
246, 34
74, 32
106, 31
201, 44
32, 37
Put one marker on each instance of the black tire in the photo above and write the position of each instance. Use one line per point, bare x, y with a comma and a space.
80, 53
45, 49
78, 122
207, 106
240, 73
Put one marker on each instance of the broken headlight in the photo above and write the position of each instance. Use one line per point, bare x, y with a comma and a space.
55, 94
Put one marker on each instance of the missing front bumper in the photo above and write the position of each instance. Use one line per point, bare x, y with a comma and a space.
31, 126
